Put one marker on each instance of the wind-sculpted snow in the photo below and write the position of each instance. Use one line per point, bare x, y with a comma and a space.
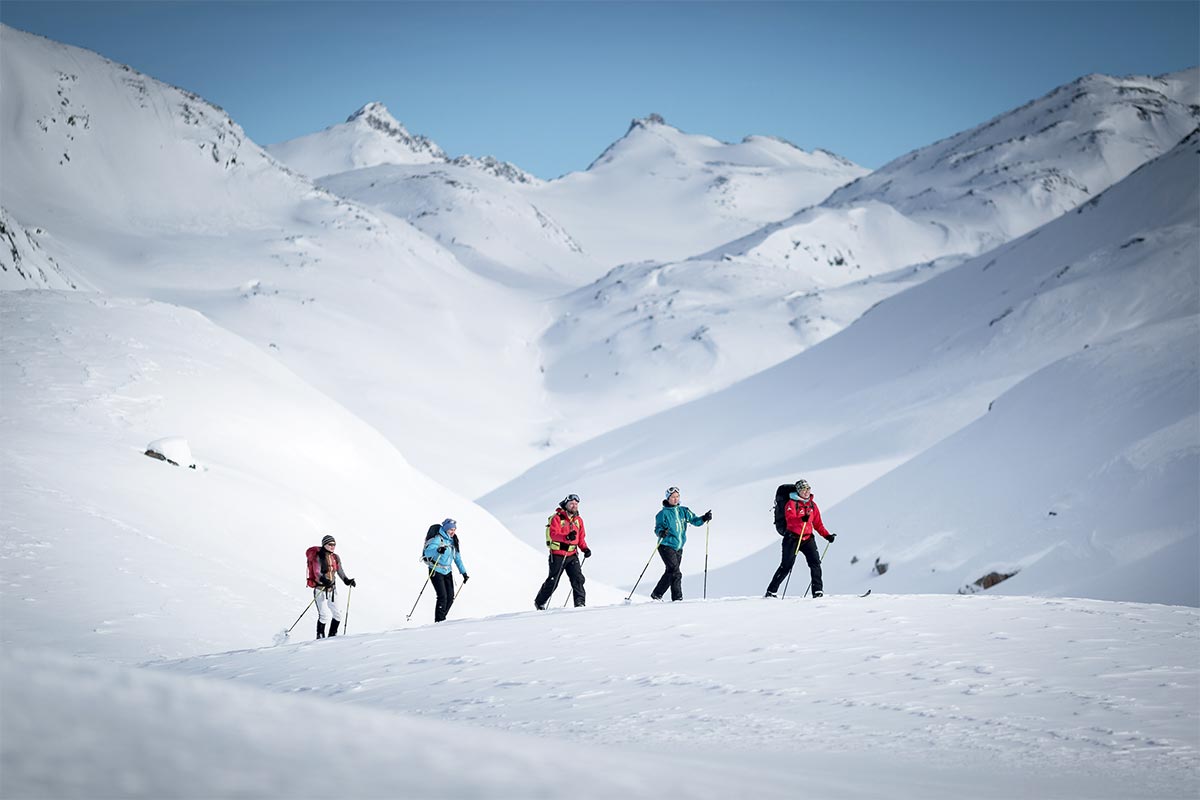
840, 697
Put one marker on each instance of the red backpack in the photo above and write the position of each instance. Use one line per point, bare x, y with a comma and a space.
314, 566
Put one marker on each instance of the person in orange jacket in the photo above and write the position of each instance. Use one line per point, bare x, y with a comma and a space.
566, 538
802, 517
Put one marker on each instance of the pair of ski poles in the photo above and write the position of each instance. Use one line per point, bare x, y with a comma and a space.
797, 553
655, 550
345, 628
428, 578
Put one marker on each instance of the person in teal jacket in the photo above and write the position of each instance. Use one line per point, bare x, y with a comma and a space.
670, 526
441, 549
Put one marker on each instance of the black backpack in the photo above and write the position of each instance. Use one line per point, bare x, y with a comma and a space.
432, 532
781, 500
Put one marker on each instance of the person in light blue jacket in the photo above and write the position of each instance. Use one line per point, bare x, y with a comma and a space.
441, 550
670, 526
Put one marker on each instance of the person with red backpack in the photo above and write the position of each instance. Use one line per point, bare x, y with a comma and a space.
323, 564
799, 516
566, 538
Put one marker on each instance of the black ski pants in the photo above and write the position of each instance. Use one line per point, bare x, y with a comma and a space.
444, 586
558, 565
809, 549
673, 576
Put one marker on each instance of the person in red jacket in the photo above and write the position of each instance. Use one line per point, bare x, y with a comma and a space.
566, 538
802, 517
323, 565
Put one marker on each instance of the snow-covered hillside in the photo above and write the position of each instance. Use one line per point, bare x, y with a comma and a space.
1082, 333
899, 696
139, 189
111, 553
679, 330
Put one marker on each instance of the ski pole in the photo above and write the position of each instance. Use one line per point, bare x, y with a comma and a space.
302, 613
823, 552
458, 591
706, 529
423, 585
639, 580
346, 626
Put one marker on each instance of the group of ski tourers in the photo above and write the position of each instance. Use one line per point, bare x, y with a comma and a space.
797, 520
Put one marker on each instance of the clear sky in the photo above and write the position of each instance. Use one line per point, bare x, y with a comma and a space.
549, 85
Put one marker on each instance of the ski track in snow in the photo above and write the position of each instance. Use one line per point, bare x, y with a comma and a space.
1102, 693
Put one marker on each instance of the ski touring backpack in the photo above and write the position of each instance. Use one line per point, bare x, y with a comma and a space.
313, 556
781, 500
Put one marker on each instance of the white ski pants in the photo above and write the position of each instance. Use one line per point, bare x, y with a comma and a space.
327, 605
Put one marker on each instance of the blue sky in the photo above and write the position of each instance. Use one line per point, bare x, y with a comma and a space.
549, 85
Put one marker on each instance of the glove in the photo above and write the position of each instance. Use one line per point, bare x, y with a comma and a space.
466, 578
831, 536
441, 549
572, 536
587, 552
804, 518
326, 583
351, 582
707, 516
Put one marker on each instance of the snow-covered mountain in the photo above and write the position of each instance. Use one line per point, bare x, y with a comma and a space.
657, 192
661, 194
676, 331
118, 183
485, 220
1081, 333
369, 137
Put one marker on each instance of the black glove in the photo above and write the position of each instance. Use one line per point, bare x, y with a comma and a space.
804, 518
587, 552
326, 583
351, 582
831, 536
572, 536
466, 578
441, 549
707, 516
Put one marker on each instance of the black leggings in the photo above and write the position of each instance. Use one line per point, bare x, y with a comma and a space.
444, 586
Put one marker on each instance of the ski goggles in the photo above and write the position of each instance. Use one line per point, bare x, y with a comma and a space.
571, 497
671, 491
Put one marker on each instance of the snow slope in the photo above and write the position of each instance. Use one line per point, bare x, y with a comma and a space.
139, 189
679, 330
1088, 324
110, 553
844, 697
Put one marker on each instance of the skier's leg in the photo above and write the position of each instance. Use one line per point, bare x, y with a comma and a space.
551, 582
664, 582
786, 562
813, 557
575, 573
677, 577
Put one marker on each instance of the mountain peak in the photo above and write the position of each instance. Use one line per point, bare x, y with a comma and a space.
646, 122
375, 110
